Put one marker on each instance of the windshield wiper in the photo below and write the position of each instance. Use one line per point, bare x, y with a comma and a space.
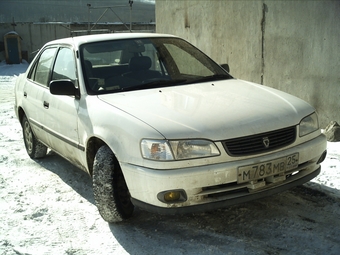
155, 84
215, 77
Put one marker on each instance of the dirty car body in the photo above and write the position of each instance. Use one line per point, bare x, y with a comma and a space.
181, 134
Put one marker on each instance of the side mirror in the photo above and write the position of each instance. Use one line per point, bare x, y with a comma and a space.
64, 88
226, 67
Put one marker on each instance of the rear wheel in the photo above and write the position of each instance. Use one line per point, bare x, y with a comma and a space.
34, 148
110, 191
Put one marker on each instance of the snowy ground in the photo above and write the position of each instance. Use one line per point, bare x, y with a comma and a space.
47, 207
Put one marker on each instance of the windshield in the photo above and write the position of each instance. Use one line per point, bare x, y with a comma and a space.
134, 64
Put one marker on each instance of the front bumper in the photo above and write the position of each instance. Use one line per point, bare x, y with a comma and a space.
214, 186
240, 198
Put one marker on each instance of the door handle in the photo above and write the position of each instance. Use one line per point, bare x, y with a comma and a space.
25, 94
46, 105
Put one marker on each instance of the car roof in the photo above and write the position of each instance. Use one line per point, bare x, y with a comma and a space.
78, 40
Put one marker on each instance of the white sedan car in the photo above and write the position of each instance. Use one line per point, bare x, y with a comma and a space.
161, 126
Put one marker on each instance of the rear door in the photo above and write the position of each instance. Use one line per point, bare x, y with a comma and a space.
34, 90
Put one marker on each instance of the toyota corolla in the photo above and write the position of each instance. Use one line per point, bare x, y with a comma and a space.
161, 126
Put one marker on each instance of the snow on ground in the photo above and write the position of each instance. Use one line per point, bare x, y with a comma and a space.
47, 207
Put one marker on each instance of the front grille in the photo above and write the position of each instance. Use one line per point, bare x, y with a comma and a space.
260, 143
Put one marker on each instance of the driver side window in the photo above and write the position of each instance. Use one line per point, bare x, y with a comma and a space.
65, 66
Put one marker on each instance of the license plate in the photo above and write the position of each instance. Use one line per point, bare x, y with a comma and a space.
269, 168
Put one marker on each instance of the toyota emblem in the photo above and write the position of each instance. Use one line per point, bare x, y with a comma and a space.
265, 141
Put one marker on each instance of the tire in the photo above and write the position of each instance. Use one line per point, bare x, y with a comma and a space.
111, 193
34, 148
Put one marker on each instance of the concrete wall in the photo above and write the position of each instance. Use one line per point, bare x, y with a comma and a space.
35, 35
293, 46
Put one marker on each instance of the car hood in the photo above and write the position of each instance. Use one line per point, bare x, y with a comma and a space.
213, 110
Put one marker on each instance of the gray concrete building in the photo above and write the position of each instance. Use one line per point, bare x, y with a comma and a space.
76, 10
40, 21
293, 46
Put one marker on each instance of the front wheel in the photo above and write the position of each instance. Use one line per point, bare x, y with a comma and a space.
110, 191
34, 148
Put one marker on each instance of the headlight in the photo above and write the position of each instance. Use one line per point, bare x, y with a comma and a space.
178, 150
186, 149
309, 124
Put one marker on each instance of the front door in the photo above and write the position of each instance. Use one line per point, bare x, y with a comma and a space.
61, 117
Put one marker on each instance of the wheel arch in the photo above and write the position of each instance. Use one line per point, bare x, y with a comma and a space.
21, 114
93, 145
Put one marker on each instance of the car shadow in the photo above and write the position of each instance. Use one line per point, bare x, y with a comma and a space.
258, 227
77, 179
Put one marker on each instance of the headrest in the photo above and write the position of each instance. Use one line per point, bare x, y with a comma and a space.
139, 63
88, 68
88, 64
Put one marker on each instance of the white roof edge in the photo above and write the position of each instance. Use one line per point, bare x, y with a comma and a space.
78, 40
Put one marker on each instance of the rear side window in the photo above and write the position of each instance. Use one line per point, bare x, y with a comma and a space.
41, 71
